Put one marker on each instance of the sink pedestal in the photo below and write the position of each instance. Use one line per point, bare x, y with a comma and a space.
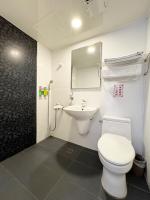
83, 126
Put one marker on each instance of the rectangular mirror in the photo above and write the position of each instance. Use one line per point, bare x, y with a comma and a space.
86, 64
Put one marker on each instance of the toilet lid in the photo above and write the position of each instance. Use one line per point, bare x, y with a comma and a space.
116, 149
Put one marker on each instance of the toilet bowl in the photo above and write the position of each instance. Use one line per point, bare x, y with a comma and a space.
116, 153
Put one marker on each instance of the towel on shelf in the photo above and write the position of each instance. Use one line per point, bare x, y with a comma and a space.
122, 72
125, 60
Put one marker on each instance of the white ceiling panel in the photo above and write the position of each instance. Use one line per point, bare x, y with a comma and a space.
48, 21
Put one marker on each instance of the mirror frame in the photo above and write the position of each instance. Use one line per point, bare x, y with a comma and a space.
100, 68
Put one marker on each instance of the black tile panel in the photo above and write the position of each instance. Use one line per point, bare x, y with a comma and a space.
18, 54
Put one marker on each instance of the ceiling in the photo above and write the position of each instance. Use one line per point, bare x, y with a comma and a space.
48, 21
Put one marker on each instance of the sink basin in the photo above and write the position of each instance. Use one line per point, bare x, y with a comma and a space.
82, 116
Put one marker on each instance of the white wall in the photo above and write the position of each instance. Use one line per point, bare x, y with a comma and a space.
122, 42
43, 78
147, 112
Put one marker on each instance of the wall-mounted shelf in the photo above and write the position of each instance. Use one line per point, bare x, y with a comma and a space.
127, 67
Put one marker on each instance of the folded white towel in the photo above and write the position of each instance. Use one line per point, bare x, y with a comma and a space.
125, 60
126, 72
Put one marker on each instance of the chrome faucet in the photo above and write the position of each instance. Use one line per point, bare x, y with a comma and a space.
83, 104
71, 97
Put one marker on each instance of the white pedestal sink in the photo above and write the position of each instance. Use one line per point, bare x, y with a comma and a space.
83, 116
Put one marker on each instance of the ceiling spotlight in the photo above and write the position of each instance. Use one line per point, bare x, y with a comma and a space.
91, 50
76, 23
15, 53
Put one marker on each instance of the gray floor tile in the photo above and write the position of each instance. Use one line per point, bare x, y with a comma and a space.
138, 182
4, 175
13, 190
132, 194
89, 158
85, 177
40, 181
29, 168
57, 146
59, 170
52, 144
66, 190
58, 162
16, 165
135, 194
24, 163
69, 150
37, 152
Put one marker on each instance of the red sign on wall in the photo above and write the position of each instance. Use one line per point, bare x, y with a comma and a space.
118, 90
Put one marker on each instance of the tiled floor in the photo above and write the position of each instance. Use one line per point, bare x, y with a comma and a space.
57, 170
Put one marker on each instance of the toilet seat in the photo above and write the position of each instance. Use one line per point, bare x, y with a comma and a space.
116, 149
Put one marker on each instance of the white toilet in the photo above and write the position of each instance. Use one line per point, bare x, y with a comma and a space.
116, 153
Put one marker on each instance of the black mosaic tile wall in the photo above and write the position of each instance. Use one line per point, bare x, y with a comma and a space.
18, 54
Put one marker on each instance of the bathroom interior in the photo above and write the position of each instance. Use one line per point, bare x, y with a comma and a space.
64, 136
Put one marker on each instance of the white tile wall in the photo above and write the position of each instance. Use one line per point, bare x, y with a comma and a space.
43, 78
147, 111
119, 43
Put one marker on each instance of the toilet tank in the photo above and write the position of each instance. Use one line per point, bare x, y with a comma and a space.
116, 125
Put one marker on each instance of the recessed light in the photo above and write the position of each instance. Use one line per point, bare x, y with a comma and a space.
15, 53
76, 23
91, 50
